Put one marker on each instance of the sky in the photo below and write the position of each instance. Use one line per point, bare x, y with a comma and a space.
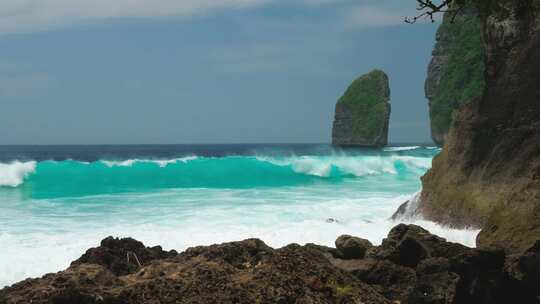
202, 71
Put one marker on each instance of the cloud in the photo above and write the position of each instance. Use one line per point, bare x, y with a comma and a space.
17, 16
38, 15
372, 16
283, 56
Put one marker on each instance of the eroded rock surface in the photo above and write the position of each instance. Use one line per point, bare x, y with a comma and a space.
251, 272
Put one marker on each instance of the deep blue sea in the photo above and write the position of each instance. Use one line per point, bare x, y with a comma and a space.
57, 201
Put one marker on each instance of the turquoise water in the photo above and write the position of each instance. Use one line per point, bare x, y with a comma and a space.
51, 211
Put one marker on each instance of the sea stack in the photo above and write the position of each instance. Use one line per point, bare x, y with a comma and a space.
456, 71
363, 112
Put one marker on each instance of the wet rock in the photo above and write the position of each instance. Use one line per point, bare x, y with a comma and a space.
352, 247
401, 211
435, 283
407, 245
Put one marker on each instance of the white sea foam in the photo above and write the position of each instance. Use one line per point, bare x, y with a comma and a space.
161, 163
395, 149
357, 166
36, 241
415, 162
277, 216
13, 174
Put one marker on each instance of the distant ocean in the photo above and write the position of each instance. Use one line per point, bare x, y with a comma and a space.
57, 201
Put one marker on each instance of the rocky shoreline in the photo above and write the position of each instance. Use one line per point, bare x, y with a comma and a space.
410, 266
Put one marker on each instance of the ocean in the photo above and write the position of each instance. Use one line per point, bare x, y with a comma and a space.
58, 201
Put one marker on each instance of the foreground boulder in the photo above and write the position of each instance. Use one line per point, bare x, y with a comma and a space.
363, 113
123, 256
124, 271
414, 266
407, 245
352, 247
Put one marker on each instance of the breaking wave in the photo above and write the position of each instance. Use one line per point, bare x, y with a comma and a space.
13, 174
50, 179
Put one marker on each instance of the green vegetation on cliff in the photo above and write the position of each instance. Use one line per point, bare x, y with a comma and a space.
462, 75
367, 98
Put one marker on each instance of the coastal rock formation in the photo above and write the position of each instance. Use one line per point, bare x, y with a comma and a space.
239, 272
251, 272
363, 112
456, 71
488, 174
352, 247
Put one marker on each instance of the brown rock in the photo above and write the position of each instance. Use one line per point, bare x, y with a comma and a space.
407, 245
238, 272
488, 174
122, 256
352, 247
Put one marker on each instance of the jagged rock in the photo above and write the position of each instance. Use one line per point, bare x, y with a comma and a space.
238, 272
401, 211
251, 272
407, 245
352, 247
363, 113
121, 256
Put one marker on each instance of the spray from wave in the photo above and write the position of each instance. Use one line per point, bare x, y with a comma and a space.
180, 202
13, 175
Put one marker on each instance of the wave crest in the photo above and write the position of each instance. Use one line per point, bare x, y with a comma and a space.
51, 179
355, 166
161, 163
13, 174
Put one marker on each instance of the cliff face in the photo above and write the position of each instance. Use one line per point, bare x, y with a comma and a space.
456, 71
488, 174
363, 112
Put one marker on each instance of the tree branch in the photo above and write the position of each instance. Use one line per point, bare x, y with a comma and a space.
430, 8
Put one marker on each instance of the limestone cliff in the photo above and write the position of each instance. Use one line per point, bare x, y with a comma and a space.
456, 71
488, 174
363, 112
